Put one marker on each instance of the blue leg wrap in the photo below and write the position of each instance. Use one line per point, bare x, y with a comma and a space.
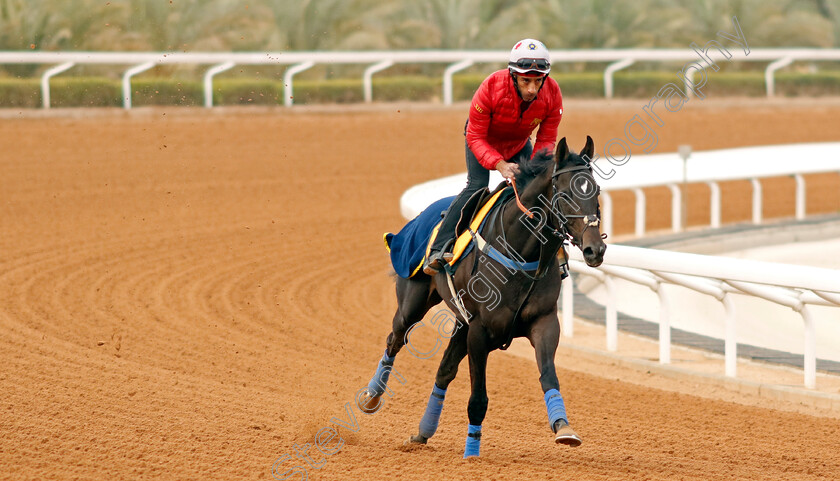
379, 381
555, 407
473, 441
429, 422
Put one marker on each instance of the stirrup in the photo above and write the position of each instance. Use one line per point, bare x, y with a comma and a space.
435, 262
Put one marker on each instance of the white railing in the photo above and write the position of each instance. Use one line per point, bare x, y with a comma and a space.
457, 60
671, 170
793, 286
712, 167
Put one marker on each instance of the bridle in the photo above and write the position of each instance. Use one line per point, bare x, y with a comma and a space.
590, 220
561, 231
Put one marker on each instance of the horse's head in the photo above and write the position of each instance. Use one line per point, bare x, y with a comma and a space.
574, 201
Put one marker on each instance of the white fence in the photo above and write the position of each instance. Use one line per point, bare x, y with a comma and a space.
671, 170
793, 286
715, 166
457, 60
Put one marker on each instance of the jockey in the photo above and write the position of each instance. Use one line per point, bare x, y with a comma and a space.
504, 111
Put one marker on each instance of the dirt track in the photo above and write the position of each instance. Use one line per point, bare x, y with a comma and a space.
188, 296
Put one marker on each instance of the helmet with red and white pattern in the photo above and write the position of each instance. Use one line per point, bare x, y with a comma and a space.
530, 58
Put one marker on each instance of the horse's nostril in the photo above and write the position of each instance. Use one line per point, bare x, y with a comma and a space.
587, 252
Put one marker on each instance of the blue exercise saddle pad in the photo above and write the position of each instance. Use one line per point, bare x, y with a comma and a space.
408, 246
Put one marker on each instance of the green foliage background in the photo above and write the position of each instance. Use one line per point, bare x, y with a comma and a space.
262, 25
303, 25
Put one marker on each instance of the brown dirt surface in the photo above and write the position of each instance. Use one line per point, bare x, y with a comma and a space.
193, 295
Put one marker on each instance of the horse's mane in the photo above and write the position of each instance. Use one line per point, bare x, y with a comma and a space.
529, 169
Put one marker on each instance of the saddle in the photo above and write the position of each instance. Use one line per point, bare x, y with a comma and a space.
481, 207
471, 208
410, 247
473, 217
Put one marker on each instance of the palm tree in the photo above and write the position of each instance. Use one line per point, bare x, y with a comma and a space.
830, 10
604, 23
190, 25
777, 23
325, 24
45, 25
459, 24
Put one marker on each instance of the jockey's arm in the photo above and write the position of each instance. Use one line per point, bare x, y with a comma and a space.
547, 131
478, 128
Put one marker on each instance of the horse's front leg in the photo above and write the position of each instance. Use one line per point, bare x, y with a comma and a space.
448, 369
544, 336
414, 299
477, 349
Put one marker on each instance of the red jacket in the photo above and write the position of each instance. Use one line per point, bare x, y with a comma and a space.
496, 129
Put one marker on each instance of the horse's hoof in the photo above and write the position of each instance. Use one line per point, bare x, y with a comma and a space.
564, 434
368, 404
410, 445
417, 439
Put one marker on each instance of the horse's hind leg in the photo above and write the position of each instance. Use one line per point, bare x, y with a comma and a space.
414, 299
544, 336
448, 369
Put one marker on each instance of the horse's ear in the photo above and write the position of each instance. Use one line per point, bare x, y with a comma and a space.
562, 151
588, 150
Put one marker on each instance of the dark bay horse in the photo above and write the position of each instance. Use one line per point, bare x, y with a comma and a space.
506, 289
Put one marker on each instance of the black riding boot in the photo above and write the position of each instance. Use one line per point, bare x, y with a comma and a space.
477, 178
446, 233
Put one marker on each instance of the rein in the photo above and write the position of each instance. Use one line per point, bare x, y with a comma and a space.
562, 230
525, 210
561, 233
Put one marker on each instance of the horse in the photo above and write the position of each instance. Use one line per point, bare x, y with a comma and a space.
558, 203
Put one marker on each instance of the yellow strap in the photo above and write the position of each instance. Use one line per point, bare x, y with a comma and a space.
428, 247
385, 239
465, 238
